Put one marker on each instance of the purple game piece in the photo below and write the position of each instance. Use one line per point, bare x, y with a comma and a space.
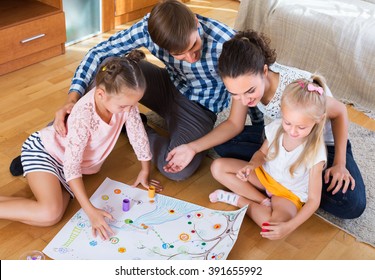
125, 205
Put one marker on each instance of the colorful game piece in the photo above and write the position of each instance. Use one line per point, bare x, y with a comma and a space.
125, 205
151, 193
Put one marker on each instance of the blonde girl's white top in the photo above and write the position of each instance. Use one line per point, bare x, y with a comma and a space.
287, 75
279, 167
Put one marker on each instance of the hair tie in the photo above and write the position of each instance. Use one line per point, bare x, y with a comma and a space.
312, 88
245, 39
104, 68
130, 59
301, 84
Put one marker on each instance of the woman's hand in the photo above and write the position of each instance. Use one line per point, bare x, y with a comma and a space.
179, 158
341, 179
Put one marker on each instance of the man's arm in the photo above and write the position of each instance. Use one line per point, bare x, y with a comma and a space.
117, 45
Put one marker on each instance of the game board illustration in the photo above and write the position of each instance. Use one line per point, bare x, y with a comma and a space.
159, 228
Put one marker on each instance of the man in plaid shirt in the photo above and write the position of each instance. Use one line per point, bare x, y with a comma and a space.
187, 93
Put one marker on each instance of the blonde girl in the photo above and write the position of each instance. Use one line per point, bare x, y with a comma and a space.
53, 164
282, 182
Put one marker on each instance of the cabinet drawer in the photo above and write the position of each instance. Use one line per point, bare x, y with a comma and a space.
29, 37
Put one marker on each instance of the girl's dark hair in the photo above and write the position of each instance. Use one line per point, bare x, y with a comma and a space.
171, 24
118, 72
246, 53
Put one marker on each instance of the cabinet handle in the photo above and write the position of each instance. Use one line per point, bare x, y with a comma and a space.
33, 38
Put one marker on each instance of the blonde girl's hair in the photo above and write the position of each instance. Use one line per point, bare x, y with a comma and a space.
115, 73
309, 96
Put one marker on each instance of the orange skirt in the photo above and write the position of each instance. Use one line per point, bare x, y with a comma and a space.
275, 188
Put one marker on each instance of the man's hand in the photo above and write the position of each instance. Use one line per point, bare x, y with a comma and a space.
59, 123
61, 115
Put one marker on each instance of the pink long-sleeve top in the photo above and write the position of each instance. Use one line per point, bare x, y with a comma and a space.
90, 140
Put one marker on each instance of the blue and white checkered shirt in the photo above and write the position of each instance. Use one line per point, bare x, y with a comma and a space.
198, 81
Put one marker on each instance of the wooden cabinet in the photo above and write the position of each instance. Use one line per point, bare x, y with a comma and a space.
128, 10
31, 31
124, 11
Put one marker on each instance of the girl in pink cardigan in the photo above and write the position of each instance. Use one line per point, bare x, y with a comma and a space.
53, 164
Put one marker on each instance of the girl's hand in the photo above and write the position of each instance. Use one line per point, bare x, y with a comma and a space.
145, 182
99, 225
274, 231
341, 179
244, 172
156, 184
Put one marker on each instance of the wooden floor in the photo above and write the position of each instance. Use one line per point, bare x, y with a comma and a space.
29, 99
